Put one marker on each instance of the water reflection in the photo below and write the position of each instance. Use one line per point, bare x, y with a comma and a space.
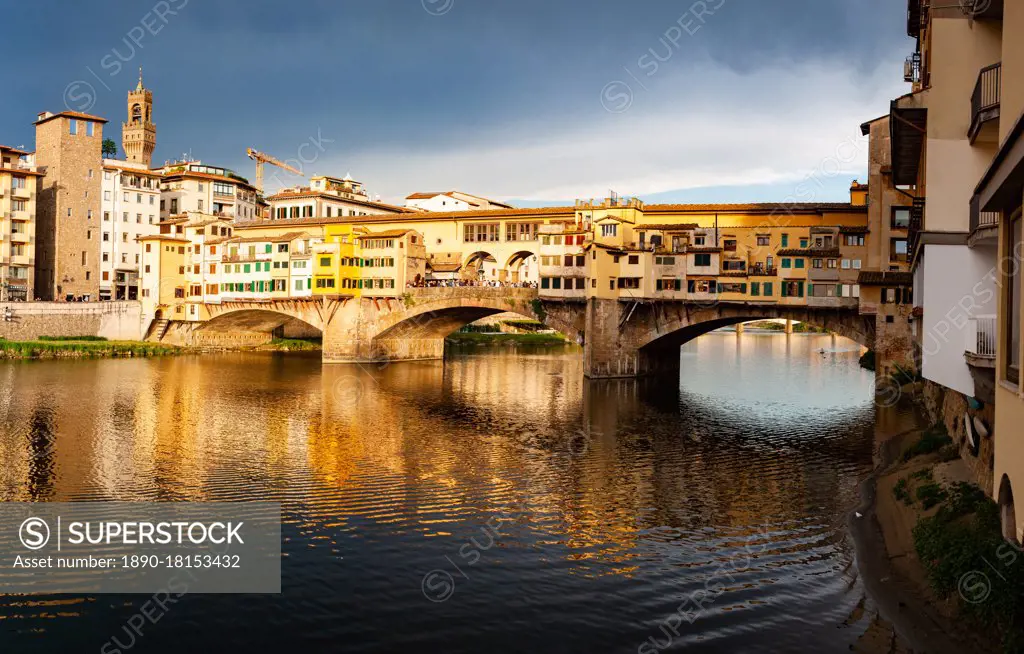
615, 502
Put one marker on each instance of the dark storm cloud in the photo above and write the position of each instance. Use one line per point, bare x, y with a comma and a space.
412, 73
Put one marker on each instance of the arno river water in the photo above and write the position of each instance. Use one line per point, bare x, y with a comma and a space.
495, 503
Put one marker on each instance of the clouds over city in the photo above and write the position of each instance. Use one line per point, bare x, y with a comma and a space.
533, 101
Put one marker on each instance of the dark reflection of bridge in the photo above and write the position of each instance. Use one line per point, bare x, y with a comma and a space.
620, 338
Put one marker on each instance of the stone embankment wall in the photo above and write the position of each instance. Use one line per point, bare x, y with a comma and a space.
947, 406
116, 321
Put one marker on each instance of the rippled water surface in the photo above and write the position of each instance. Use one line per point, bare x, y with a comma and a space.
496, 503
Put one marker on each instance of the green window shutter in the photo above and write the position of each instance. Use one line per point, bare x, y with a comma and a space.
785, 290
679, 285
787, 263
743, 288
785, 240
268, 248
755, 289
768, 289
247, 267
799, 263
810, 289
800, 289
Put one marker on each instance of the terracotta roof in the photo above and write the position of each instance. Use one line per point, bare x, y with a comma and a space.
162, 237
140, 171
885, 278
735, 274
699, 250
809, 252
756, 207
851, 229
7, 148
71, 114
299, 195
427, 195
681, 227
197, 175
281, 238
421, 216
391, 233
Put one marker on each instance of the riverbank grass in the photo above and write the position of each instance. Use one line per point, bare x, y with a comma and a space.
294, 345
478, 338
944, 533
81, 347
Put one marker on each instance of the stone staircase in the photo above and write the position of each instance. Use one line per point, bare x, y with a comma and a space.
158, 329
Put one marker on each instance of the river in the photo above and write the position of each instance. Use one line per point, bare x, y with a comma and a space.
496, 503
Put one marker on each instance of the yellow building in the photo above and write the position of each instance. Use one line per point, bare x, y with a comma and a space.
337, 261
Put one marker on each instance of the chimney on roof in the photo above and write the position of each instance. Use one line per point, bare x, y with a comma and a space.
44, 115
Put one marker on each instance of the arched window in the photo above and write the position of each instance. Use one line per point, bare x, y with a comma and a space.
137, 114
1006, 512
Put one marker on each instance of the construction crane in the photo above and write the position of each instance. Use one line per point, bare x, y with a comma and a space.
261, 159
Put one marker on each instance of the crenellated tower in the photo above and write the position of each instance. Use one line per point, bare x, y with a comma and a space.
138, 135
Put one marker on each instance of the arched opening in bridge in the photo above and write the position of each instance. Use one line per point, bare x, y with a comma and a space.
482, 266
424, 335
252, 326
662, 351
523, 268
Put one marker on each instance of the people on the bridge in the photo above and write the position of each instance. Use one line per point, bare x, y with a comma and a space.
458, 283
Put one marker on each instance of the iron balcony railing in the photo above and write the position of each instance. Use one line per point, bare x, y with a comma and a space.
912, 68
916, 225
986, 97
982, 219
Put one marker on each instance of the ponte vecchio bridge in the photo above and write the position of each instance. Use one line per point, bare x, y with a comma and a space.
620, 338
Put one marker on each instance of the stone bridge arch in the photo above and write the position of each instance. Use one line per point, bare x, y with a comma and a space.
252, 323
627, 339
415, 326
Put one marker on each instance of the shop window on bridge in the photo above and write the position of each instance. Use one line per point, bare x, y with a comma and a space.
787, 263
702, 260
609, 230
545, 282
581, 260
763, 240
665, 261
732, 287
630, 283
633, 259
804, 242
822, 290
793, 289
556, 283
701, 286
668, 285
733, 266
785, 240
581, 283
816, 264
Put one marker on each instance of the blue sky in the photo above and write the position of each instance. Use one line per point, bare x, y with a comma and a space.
534, 101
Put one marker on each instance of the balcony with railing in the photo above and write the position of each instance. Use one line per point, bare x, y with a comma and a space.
984, 225
980, 348
915, 227
985, 103
980, 353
